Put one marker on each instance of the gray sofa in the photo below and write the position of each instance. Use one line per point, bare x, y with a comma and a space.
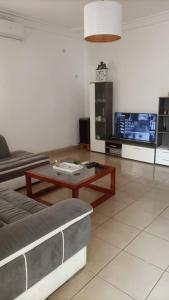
41, 247
14, 164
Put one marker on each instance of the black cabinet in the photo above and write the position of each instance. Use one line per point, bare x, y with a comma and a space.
163, 122
103, 110
84, 130
101, 102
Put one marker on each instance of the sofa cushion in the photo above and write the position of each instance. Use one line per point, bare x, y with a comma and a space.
20, 234
4, 150
34, 246
18, 162
15, 206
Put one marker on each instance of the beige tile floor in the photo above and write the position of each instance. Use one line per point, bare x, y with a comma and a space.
128, 255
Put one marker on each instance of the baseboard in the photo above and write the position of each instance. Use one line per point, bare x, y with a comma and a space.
60, 150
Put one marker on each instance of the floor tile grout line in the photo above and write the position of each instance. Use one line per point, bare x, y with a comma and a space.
106, 242
123, 250
144, 260
95, 275
143, 229
110, 218
103, 267
121, 222
99, 225
117, 288
113, 245
109, 261
156, 218
155, 284
139, 201
132, 227
128, 224
157, 236
132, 240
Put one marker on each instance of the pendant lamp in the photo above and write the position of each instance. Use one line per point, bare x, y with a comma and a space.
102, 21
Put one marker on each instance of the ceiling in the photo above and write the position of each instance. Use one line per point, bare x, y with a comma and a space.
69, 13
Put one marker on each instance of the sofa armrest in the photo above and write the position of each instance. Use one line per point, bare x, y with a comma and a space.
22, 233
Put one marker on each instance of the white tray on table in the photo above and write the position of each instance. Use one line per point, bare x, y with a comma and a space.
68, 168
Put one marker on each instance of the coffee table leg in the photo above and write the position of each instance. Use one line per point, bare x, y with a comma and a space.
75, 193
112, 180
28, 186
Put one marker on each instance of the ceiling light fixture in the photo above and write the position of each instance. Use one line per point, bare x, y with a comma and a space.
102, 21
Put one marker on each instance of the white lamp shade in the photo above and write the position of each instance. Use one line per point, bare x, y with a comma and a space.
102, 21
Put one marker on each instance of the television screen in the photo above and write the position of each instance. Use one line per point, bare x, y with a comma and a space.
136, 126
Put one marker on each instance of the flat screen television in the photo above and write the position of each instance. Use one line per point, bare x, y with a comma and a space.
139, 127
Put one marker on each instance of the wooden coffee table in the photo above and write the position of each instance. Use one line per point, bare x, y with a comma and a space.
83, 178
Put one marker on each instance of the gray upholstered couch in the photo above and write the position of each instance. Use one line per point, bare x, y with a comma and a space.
40, 247
14, 164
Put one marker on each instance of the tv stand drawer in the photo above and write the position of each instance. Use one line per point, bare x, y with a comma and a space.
162, 161
139, 153
162, 157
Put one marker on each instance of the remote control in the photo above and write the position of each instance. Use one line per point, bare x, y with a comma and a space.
92, 164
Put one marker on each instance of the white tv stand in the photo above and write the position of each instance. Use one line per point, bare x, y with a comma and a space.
162, 156
140, 153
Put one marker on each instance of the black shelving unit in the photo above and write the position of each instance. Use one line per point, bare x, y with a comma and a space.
114, 147
163, 123
103, 110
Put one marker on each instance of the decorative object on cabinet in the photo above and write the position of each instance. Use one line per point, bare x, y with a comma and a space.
101, 99
102, 74
102, 21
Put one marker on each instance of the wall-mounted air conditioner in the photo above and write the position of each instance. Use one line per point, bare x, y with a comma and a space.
11, 30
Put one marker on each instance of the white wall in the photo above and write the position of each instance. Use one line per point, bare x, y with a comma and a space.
41, 91
41, 98
139, 67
